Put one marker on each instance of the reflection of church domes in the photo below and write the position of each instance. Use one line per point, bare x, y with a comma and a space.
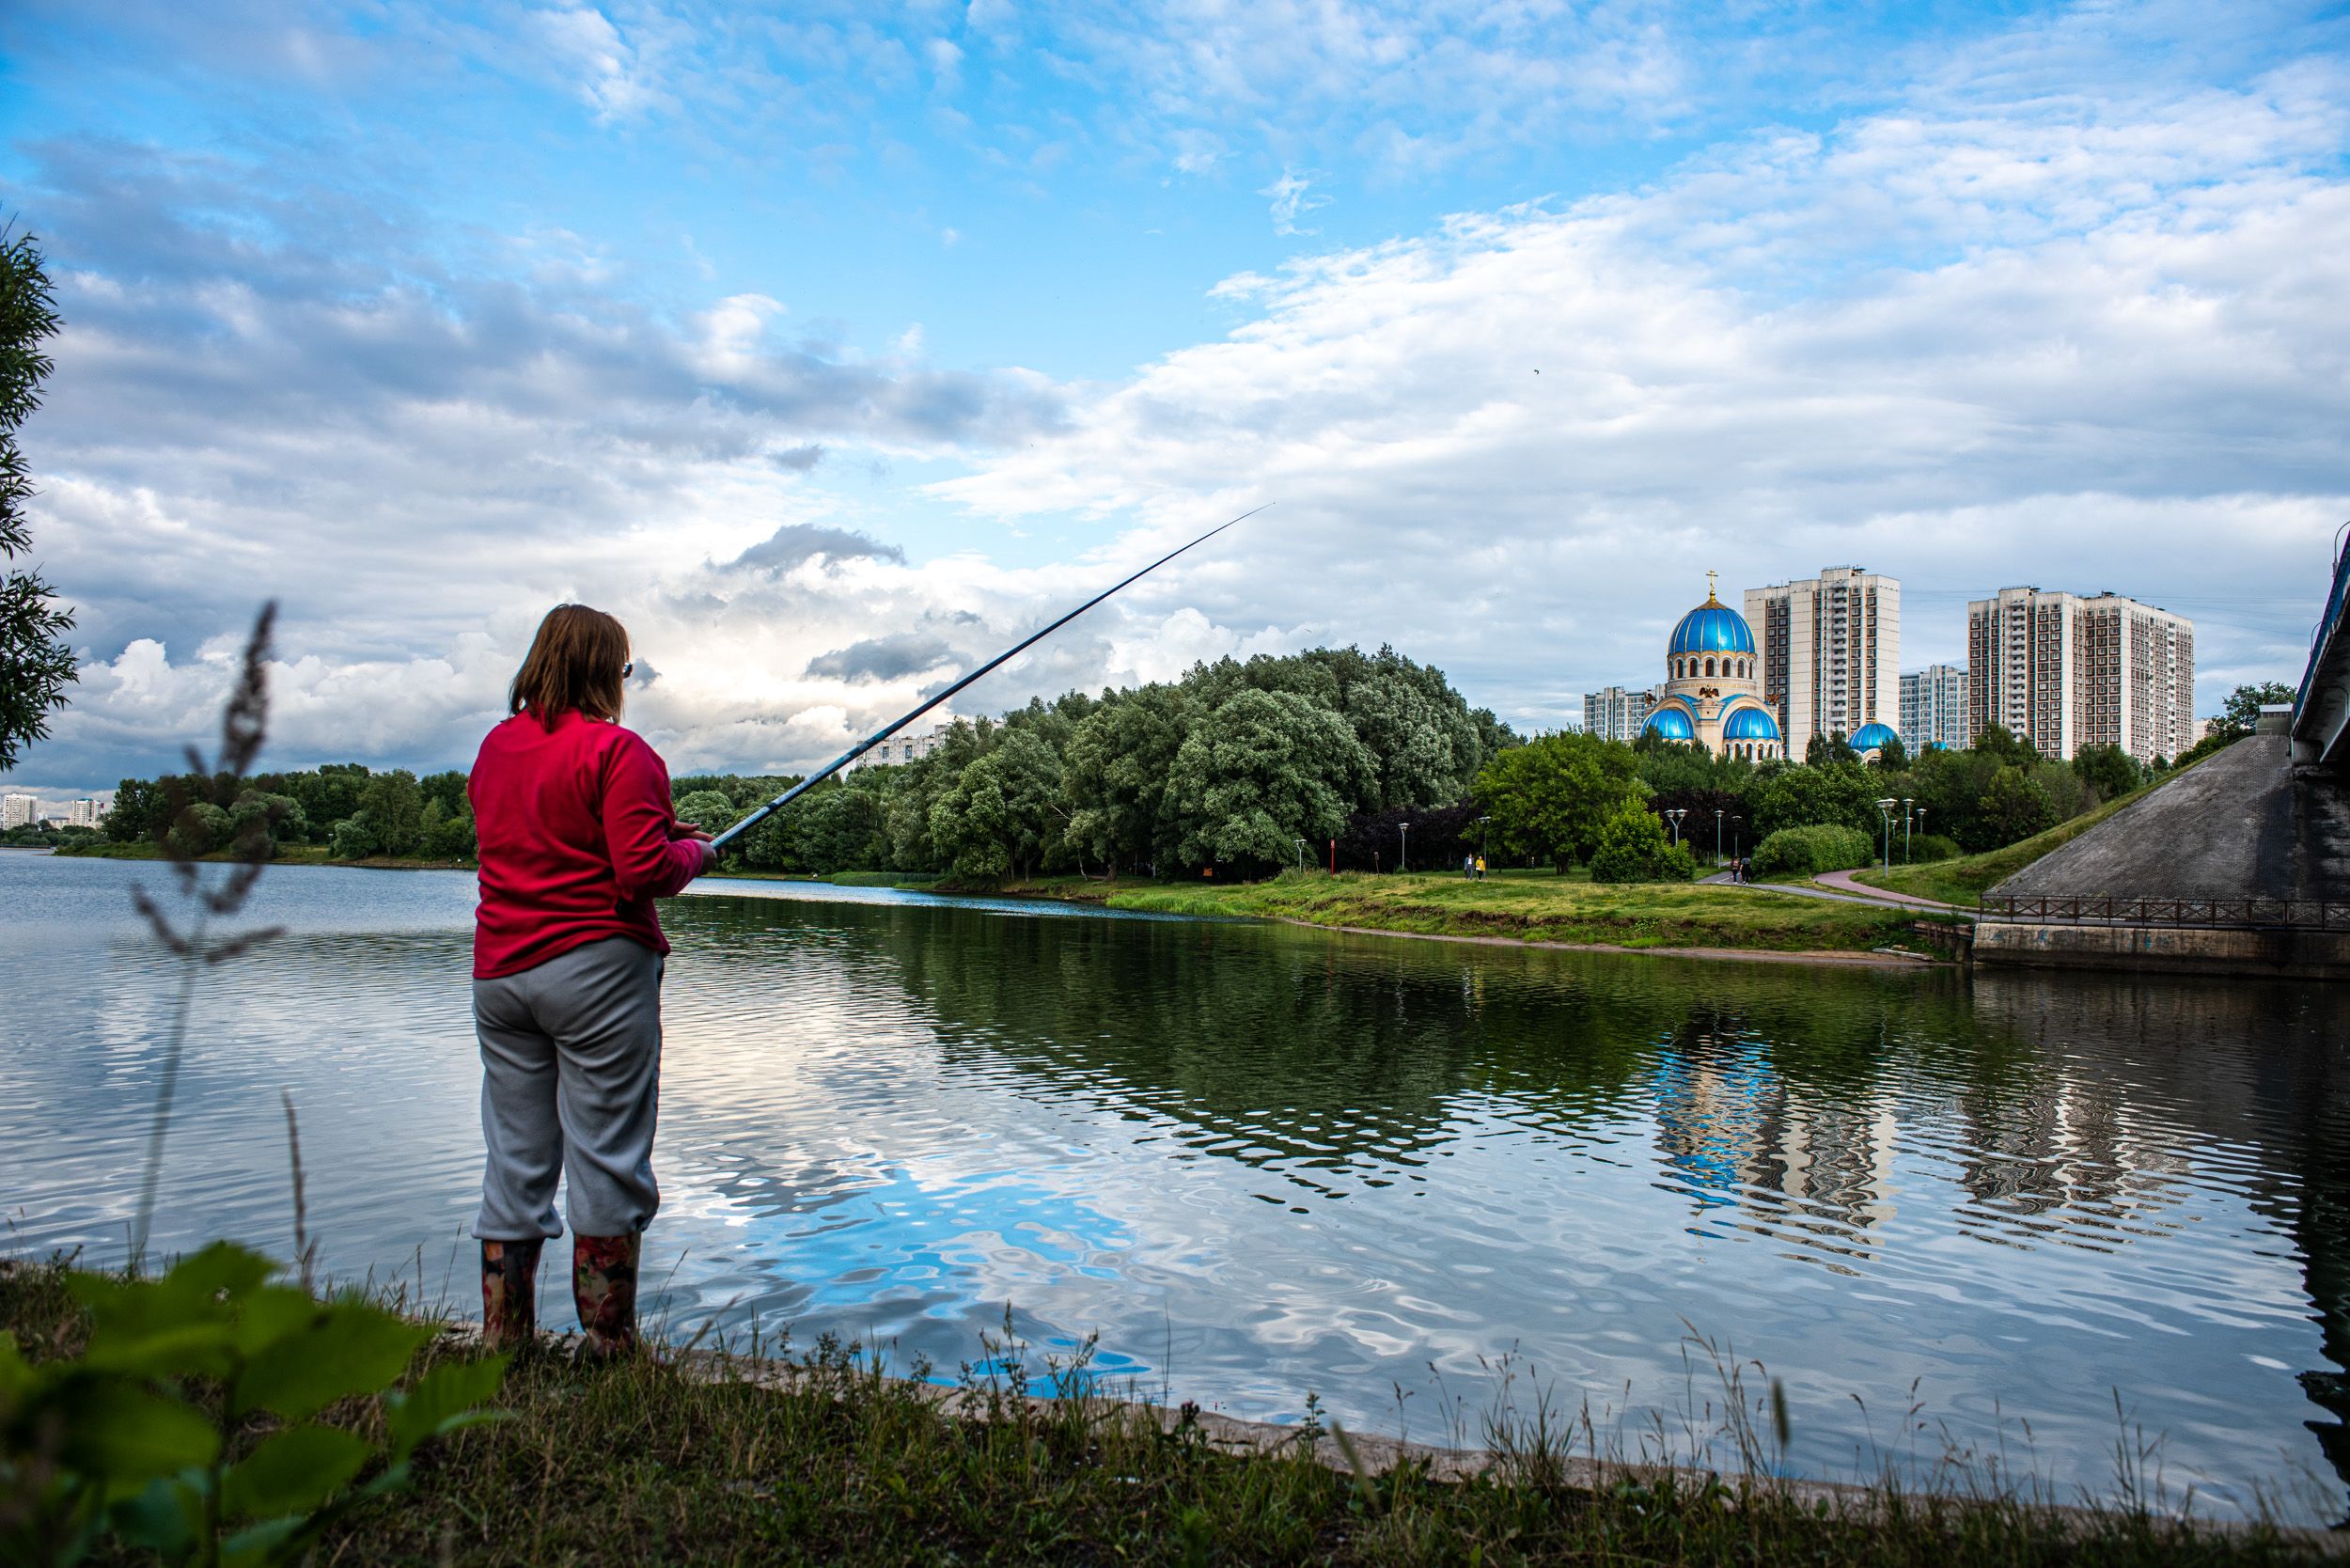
1873, 737
1750, 723
1713, 627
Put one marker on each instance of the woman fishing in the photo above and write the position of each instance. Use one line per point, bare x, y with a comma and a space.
577, 840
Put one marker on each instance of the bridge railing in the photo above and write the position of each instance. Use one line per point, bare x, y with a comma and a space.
2034, 909
2326, 623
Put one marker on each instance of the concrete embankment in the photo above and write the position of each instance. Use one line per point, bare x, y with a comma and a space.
2241, 866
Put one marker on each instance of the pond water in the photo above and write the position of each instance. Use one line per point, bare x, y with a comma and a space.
2019, 1214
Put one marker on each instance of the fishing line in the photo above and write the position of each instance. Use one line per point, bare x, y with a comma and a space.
889, 730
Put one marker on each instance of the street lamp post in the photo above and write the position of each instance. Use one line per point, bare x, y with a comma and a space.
1676, 814
1403, 856
1480, 836
1717, 836
1301, 852
1884, 813
1909, 813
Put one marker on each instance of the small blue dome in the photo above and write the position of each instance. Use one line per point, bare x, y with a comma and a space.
1713, 627
1673, 722
1750, 723
1873, 737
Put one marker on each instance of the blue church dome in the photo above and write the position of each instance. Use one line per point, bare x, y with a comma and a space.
1873, 737
1713, 627
1673, 722
1750, 723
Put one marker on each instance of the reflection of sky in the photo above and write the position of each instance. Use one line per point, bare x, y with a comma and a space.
839, 1156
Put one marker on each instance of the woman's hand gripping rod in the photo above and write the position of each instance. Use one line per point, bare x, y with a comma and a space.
885, 732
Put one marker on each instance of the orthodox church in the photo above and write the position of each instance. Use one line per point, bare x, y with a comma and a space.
1712, 691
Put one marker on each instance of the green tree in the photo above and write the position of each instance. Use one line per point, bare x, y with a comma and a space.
1633, 847
844, 826
2004, 747
1551, 797
200, 827
998, 817
452, 838
276, 818
1838, 792
1824, 749
132, 817
1261, 771
354, 839
36, 666
1115, 772
2015, 807
2109, 770
1892, 756
2241, 712
394, 807
712, 810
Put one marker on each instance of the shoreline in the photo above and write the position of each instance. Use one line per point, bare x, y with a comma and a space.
1106, 895
1749, 955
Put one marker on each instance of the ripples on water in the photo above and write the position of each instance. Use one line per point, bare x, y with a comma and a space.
1259, 1161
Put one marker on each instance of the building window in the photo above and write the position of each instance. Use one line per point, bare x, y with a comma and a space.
1708, 666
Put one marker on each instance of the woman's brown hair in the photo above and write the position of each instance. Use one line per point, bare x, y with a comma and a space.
577, 661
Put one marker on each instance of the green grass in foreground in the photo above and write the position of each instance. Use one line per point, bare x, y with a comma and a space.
632, 1466
1542, 909
1964, 880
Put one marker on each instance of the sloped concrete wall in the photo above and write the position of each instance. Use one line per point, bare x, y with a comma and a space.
2244, 824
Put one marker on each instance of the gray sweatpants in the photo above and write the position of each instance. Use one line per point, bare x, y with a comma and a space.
571, 1083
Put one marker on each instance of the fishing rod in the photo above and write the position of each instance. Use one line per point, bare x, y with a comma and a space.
889, 730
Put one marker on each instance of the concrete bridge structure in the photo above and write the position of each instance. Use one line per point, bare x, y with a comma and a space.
2321, 709
2240, 865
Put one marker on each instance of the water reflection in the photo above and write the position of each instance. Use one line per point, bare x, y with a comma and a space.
1262, 1161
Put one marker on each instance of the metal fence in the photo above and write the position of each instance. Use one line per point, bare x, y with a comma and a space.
2210, 913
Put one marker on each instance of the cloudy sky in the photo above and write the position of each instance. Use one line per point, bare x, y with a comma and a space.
833, 346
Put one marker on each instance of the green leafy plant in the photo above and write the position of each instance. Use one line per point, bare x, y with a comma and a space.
190, 1424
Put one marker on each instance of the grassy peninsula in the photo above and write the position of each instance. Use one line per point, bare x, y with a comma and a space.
1541, 906
818, 1459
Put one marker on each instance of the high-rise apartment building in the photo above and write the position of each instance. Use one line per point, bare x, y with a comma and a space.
1831, 652
1616, 715
90, 812
2064, 671
1934, 708
18, 811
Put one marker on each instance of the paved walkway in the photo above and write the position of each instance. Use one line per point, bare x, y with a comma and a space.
1851, 892
1844, 879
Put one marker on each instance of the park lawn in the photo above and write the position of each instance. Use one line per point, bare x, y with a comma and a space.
1964, 880
742, 1460
1542, 909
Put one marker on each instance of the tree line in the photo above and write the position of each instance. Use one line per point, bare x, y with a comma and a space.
1329, 756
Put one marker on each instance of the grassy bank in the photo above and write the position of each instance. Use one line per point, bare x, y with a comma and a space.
832, 1463
1542, 908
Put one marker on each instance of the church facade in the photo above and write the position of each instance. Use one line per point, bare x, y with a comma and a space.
1713, 690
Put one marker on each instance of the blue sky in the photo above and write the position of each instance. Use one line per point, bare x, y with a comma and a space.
1525, 315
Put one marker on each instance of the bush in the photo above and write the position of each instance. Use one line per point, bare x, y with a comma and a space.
1925, 847
1633, 848
1809, 851
354, 838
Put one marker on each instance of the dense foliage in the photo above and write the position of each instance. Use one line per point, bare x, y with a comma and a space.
36, 666
1809, 851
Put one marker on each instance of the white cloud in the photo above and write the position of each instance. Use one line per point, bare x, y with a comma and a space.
1292, 199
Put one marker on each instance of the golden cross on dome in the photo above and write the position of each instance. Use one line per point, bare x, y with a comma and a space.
1711, 597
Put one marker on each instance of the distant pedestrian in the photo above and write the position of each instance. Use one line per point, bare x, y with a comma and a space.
1468, 865
577, 840
1481, 868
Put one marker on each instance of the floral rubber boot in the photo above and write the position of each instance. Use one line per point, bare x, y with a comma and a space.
604, 1288
510, 1292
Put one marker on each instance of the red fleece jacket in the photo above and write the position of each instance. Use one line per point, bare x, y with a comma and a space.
577, 838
